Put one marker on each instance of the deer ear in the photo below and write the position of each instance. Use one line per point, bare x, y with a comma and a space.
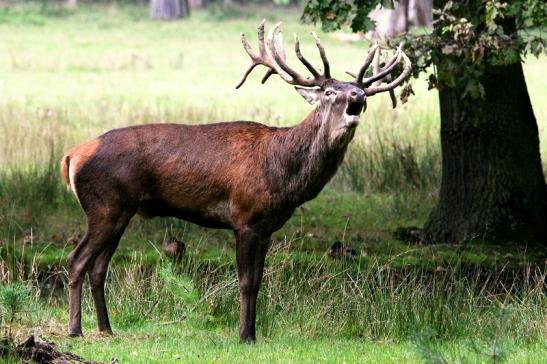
310, 94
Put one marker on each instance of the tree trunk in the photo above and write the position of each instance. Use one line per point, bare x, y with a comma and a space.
199, 3
492, 184
169, 9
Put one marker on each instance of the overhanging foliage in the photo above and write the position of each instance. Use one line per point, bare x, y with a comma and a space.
466, 36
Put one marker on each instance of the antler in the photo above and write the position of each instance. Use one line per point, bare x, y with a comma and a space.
272, 55
373, 84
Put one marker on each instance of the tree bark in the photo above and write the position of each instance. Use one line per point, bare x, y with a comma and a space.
492, 184
169, 9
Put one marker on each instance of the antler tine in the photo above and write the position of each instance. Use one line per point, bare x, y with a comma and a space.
386, 79
253, 56
263, 58
262, 47
267, 75
368, 60
326, 66
379, 73
393, 98
272, 43
275, 45
351, 74
277, 63
278, 43
272, 55
375, 67
391, 92
391, 85
304, 60
260, 36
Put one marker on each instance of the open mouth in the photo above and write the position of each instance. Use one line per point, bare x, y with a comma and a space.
352, 113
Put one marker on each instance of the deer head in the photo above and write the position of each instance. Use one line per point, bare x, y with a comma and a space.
339, 103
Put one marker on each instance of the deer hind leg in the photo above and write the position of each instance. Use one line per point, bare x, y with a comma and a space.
250, 254
97, 276
103, 233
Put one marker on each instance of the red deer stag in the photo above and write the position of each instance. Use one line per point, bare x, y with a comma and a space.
240, 175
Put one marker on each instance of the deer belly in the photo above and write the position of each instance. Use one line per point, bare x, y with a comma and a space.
212, 216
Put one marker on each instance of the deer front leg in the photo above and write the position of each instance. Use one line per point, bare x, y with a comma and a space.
251, 251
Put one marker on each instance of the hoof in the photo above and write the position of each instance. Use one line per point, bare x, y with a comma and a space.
107, 332
75, 334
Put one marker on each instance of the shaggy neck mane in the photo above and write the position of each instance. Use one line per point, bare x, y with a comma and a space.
300, 162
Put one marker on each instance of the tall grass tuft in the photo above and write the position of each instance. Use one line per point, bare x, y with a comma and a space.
391, 165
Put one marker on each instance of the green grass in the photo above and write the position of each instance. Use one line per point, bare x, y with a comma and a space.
67, 76
176, 344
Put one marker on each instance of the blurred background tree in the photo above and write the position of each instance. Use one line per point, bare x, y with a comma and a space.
174, 9
169, 9
72, 3
492, 184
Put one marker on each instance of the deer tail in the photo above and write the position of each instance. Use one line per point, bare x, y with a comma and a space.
65, 165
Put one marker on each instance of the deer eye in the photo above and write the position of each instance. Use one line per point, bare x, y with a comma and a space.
329, 93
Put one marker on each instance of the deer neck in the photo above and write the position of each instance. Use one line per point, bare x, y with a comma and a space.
304, 159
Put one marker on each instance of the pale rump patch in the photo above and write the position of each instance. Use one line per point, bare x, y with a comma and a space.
78, 156
71, 172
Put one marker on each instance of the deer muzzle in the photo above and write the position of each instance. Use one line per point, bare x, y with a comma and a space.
356, 102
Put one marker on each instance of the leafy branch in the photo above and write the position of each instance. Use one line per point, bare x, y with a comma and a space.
467, 36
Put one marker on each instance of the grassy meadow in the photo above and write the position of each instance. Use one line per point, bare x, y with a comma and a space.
67, 76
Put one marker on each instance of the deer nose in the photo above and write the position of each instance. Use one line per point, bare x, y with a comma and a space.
357, 95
